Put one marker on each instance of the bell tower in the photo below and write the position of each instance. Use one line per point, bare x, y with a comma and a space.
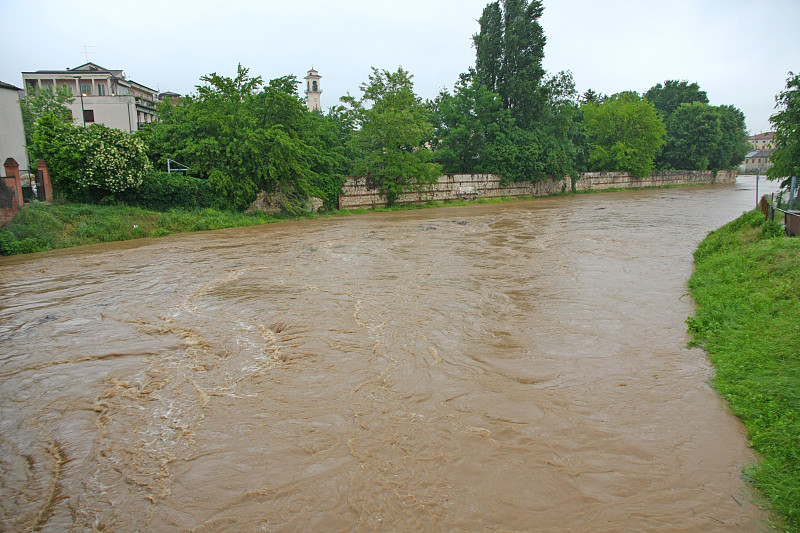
313, 90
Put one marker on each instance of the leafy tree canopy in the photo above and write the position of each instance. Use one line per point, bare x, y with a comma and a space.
393, 128
37, 104
786, 157
625, 134
672, 93
467, 125
704, 137
245, 137
733, 145
693, 133
55, 140
592, 97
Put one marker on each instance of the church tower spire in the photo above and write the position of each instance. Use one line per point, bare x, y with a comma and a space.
313, 90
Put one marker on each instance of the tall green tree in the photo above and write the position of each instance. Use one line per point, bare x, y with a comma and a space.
393, 130
694, 133
546, 138
625, 133
509, 52
672, 93
786, 157
475, 133
490, 48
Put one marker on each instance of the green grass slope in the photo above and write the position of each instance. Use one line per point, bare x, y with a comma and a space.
747, 288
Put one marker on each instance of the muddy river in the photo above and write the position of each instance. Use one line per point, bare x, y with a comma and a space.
506, 367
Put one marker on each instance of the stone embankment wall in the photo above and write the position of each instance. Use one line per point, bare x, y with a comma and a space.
598, 181
360, 192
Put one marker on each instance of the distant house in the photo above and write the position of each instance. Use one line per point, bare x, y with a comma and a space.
12, 134
172, 98
762, 141
758, 159
102, 96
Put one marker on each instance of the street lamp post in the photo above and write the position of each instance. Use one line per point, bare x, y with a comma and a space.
758, 174
80, 92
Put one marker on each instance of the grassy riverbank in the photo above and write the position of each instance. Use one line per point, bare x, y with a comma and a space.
40, 226
747, 288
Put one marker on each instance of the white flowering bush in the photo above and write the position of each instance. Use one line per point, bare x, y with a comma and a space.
111, 160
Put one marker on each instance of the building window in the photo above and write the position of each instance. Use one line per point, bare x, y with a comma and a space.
86, 89
88, 115
101, 89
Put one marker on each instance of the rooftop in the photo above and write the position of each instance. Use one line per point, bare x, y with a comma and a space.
4, 85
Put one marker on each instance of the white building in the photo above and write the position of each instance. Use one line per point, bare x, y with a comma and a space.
12, 134
102, 96
757, 161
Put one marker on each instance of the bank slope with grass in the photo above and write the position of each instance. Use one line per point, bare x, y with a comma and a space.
41, 226
747, 288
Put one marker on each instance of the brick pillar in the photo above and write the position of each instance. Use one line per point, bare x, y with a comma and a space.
12, 171
48, 187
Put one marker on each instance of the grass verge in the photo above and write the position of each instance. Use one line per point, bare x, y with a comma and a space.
40, 226
747, 288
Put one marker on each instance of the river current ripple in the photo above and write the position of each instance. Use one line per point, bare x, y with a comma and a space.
519, 366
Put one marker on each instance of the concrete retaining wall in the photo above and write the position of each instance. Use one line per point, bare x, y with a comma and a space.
360, 192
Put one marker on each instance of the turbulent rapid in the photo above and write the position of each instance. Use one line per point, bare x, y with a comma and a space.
504, 367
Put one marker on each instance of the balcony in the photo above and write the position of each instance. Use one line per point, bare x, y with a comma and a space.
145, 103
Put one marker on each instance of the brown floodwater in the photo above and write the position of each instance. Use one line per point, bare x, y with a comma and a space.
506, 367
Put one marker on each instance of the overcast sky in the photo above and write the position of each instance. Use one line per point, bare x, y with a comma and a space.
738, 51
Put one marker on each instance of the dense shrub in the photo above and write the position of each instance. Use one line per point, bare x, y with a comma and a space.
162, 191
112, 160
92, 163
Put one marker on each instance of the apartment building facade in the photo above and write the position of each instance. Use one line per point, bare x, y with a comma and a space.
102, 95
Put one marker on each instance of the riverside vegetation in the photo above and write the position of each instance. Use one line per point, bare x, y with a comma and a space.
747, 288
